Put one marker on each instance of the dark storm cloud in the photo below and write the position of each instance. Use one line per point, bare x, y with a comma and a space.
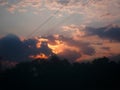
110, 32
13, 49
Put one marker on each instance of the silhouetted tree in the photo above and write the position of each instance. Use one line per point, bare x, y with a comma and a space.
0, 58
0, 64
40, 73
103, 60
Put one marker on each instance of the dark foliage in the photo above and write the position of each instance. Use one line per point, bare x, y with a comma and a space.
56, 73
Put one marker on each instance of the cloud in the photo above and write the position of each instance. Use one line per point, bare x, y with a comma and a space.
90, 10
110, 32
70, 48
115, 58
74, 31
12, 8
79, 42
13, 49
81, 46
21, 5
9, 47
3, 2
71, 55
106, 48
93, 42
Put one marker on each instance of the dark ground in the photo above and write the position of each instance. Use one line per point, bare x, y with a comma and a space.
60, 74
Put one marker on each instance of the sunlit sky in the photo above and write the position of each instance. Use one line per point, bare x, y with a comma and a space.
63, 20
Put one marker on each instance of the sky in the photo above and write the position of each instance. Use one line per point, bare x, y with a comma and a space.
74, 29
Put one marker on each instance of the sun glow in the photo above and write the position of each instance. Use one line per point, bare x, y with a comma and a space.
57, 48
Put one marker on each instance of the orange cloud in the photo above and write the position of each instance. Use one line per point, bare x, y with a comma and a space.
58, 47
40, 40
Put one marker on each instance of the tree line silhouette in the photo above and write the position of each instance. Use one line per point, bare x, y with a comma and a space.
56, 73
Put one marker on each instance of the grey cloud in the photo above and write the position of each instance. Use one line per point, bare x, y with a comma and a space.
115, 58
110, 32
85, 47
70, 55
64, 2
88, 50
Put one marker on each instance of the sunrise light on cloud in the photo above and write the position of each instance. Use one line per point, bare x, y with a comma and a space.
59, 44
74, 29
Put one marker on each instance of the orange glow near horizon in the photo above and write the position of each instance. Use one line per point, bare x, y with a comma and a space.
41, 56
